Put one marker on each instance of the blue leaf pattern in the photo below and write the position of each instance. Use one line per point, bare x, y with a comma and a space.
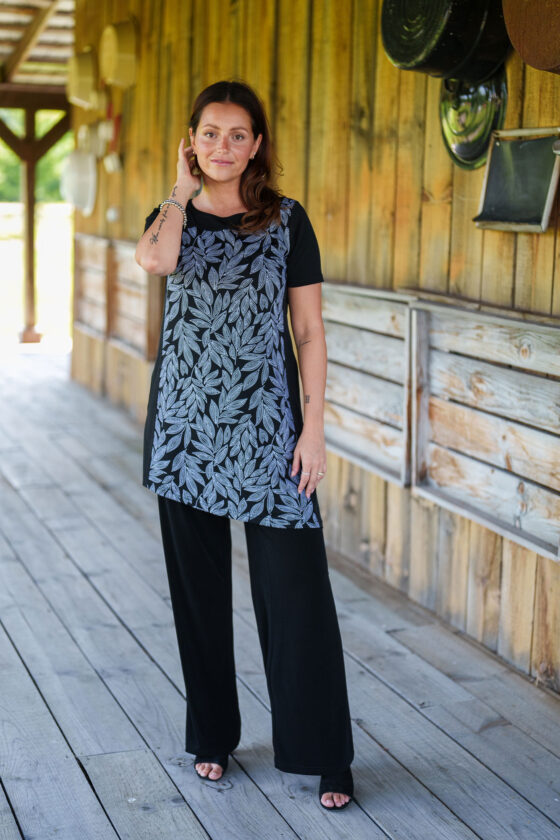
224, 431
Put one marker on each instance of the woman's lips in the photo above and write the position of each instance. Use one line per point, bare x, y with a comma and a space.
223, 162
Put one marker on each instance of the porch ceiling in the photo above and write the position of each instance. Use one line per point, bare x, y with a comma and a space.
36, 41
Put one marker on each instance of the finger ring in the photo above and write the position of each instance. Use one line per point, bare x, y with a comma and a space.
305, 473
320, 473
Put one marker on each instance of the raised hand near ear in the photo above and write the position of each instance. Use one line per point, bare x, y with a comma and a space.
186, 181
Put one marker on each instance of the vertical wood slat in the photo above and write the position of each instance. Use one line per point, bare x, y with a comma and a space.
373, 520
420, 353
517, 613
465, 267
483, 592
398, 559
257, 60
361, 143
452, 568
436, 198
384, 157
328, 134
291, 127
423, 572
545, 653
535, 253
409, 174
499, 247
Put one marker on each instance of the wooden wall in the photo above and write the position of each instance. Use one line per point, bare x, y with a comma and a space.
361, 148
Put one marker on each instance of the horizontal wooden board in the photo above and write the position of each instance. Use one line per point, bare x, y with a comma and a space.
501, 497
91, 283
92, 315
520, 449
129, 330
364, 440
129, 301
529, 346
367, 311
125, 267
510, 393
91, 251
376, 398
379, 355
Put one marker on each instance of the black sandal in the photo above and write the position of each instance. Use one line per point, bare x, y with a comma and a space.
222, 760
337, 783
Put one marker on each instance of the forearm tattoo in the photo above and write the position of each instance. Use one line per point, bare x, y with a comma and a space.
154, 238
306, 396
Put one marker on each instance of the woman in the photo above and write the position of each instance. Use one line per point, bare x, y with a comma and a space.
225, 439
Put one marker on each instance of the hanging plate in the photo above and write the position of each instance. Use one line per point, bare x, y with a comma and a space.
82, 76
117, 54
469, 114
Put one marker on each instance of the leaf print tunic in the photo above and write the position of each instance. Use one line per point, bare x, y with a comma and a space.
224, 412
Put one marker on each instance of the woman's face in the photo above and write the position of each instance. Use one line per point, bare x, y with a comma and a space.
224, 141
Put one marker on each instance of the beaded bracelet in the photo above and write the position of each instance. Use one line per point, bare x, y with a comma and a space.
176, 204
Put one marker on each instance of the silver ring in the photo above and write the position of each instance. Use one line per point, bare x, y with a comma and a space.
305, 473
320, 473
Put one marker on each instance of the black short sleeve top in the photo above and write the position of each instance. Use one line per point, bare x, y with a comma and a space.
304, 259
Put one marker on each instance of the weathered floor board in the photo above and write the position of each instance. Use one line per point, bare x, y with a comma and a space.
451, 743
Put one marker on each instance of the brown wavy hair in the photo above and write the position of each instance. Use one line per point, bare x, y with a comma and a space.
257, 187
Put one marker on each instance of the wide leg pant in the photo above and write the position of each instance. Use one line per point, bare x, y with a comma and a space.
298, 632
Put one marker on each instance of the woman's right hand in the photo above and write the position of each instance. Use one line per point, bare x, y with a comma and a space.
185, 179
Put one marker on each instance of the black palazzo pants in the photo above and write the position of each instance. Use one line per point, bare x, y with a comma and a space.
298, 632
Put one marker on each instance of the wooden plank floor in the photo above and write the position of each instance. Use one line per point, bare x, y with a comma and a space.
450, 741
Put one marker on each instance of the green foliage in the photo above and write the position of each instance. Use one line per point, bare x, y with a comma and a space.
49, 167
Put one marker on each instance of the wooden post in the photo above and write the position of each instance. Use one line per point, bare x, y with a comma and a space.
29, 150
29, 333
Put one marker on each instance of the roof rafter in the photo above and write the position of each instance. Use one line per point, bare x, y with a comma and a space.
29, 38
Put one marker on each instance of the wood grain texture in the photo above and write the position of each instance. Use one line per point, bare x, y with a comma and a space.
361, 148
535, 254
483, 592
517, 615
499, 247
329, 120
409, 175
437, 199
384, 151
545, 653
361, 141
291, 96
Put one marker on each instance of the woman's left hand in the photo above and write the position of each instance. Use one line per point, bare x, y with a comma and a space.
310, 456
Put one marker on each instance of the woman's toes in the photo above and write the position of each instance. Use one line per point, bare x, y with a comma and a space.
213, 771
334, 800
216, 771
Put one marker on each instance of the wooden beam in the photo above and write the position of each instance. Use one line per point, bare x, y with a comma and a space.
41, 146
28, 148
28, 40
15, 143
33, 96
29, 333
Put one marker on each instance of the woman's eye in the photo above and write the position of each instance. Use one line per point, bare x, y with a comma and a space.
240, 136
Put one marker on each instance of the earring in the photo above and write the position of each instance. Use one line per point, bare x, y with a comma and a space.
195, 170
